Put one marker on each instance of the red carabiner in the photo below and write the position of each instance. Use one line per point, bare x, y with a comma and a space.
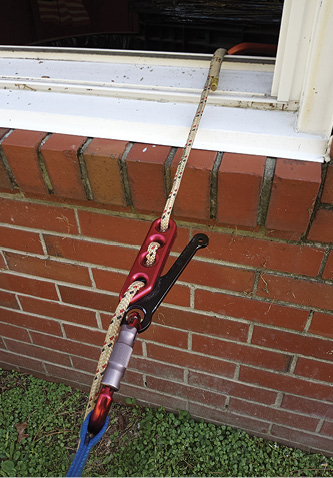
140, 271
101, 410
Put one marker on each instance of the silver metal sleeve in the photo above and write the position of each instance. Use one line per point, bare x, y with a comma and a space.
120, 357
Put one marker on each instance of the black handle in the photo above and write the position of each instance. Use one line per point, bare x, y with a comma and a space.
147, 306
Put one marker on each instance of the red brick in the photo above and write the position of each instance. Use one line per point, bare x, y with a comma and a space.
267, 254
60, 153
240, 353
294, 192
8, 300
5, 183
150, 398
133, 378
65, 345
90, 252
307, 406
315, 369
21, 150
84, 364
273, 415
89, 299
297, 291
239, 182
227, 418
39, 216
20, 240
166, 336
32, 322
138, 348
327, 195
232, 388
310, 442
184, 391
48, 268
293, 343
28, 286
218, 276
85, 335
59, 311
322, 226
328, 271
202, 324
286, 383
190, 360
12, 331
3, 132
250, 309
327, 429
113, 281
151, 367
113, 228
102, 160
146, 162
193, 198
37, 352
322, 324
286, 235
179, 295
83, 383
22, 363
123, 229
108, 280
69, 375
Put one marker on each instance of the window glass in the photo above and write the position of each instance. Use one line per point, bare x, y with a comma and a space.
157, 25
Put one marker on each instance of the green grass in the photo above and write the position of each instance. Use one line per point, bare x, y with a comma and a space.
39, 429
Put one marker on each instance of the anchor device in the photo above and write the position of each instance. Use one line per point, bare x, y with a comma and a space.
139, 314
148, 287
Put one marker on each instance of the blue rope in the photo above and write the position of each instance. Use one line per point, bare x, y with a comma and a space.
86, 445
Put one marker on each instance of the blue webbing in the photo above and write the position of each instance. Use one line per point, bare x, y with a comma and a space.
86, 445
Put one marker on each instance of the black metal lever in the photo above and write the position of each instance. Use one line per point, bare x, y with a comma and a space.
146, 306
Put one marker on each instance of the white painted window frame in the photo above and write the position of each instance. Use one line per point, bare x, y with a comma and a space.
304, 63
282, 110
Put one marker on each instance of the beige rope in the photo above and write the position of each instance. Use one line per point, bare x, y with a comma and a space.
211, 84
151, 254
111, 336
110, 339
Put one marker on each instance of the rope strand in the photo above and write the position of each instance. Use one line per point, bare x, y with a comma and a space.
211, 84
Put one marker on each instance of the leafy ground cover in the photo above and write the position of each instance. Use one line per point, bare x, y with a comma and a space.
39, 429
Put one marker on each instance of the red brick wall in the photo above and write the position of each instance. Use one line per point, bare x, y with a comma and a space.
244, 338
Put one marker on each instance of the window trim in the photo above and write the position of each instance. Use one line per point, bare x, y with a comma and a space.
304, 63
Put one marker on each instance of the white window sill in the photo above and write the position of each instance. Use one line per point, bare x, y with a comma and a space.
150, 98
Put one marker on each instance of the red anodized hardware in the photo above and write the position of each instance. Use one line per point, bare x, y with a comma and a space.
140, 271
101, 410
